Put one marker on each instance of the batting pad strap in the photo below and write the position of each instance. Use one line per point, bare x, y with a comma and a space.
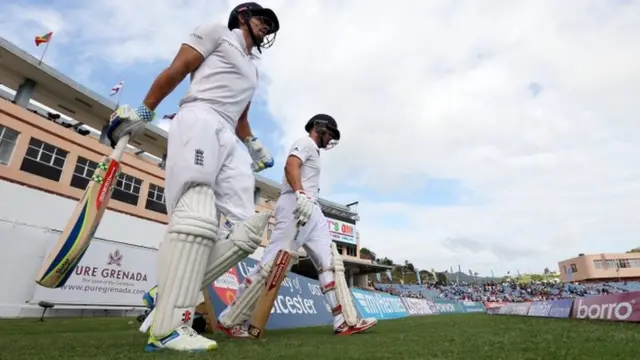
328, 287
239, 311
343, 294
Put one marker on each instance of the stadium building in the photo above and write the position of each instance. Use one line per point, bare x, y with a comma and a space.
50, 144
601, 267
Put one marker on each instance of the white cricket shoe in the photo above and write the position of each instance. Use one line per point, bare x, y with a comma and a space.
183, 339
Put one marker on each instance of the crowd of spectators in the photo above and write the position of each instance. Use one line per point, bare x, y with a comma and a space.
507, 291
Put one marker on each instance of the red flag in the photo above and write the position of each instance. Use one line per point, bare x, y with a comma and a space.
43, 39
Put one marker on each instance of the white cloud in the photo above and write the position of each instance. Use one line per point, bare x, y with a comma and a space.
442, 88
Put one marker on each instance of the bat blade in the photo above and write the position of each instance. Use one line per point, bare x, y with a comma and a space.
82, 225
261, 312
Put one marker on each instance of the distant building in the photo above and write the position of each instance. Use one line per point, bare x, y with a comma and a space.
601, 267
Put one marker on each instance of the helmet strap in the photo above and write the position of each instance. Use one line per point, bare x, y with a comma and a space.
246, 19
321, 129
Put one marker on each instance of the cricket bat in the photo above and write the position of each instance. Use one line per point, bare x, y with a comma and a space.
76, 237
278, 272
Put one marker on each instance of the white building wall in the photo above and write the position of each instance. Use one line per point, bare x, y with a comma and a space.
29, 219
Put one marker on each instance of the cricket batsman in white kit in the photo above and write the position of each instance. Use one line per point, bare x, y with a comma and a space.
207, 173
298, 206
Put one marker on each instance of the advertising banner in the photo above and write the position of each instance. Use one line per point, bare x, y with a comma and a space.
551, 308
432, 306
539, 309
561, 308
521, 308
299, 303
613, 307
109, 274
342, 232
449, 307
472, 306
417, 306
493, 305
379, 305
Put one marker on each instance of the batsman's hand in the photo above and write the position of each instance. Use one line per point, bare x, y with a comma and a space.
128, 121
261, 157
304, 208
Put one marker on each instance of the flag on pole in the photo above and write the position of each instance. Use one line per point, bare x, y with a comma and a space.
116, 88
44, 38
389, 275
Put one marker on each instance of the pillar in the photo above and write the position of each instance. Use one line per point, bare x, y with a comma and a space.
25, 93
103, 135
350, 278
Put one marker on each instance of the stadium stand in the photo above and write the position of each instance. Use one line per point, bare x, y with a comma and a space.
507, 291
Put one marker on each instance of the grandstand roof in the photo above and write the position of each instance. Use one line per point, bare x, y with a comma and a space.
61, 93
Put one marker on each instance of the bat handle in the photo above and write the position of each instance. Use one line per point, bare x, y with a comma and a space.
121, 146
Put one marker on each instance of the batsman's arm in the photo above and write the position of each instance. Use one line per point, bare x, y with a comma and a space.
292, 172
243, 129
201, 43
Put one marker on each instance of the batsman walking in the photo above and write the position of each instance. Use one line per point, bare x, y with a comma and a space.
207, 172
297, 206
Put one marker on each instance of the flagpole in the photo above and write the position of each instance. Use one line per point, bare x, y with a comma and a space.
44, 52
120, 95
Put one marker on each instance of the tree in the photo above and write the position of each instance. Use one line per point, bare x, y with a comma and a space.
409, 266
441, 278
635, 250
385, 261
537, 277
367, 254
546, 271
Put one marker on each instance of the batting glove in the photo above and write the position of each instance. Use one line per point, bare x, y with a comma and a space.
260, 155
127, 121
304, 208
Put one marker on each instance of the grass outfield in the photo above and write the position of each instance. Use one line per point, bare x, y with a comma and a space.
460, 337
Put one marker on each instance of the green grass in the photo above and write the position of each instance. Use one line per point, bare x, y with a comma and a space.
460, 337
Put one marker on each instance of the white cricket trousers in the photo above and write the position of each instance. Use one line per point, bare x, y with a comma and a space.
313, 237
204, 149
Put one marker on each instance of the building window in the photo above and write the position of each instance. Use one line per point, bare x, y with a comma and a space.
8, 139
574, 268
597, 264
624, 263
351, 251
155, 199
634, 263
83, 172
127, 189
340, 248
44, 160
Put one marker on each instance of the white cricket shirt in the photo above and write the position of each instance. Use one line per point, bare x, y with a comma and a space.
306, 150
227, 78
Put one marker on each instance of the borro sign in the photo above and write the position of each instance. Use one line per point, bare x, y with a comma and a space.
615, 311
613, 307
